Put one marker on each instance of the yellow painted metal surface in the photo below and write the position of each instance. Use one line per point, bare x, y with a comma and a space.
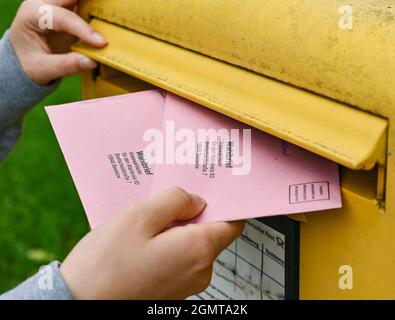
350, 137
298, 42
357, 236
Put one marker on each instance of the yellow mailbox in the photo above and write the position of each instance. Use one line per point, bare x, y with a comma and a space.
289, 68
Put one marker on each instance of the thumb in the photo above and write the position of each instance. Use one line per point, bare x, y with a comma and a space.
219, 234
174, 204
204, 241
60, 65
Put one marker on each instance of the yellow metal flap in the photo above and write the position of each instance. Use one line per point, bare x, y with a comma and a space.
343, 50
338, 132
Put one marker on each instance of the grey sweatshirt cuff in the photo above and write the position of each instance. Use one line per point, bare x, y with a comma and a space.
18, 93
47, 284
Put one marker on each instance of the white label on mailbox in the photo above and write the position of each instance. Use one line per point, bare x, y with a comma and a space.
252, 267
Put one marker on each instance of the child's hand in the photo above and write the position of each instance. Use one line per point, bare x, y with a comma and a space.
135, 256
44, 54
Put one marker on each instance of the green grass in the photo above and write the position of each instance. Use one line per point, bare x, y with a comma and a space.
41, 217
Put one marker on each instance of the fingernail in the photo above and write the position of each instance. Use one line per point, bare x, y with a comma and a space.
99, 37
87, 64
202, 203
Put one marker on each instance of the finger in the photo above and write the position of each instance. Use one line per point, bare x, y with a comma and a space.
172, 205
71, 5
60, 65
62, 3
222, 234
68, 21
217, 236
201, 243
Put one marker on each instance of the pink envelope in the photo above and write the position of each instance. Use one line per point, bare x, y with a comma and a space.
113, 167
89, 131
283, 178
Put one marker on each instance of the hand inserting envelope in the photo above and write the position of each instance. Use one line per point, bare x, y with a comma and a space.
122, 149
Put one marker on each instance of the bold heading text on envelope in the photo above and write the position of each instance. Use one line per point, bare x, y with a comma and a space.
121, 150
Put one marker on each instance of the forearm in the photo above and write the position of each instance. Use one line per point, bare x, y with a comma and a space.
18, 93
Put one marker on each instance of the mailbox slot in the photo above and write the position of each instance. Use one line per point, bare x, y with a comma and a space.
369, 184
351, 137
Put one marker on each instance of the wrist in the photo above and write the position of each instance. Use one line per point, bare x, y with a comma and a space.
26, 61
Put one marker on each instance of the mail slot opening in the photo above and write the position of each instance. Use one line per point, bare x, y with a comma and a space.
108, 81
366, 183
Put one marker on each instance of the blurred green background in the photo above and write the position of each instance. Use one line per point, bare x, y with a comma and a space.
41, 217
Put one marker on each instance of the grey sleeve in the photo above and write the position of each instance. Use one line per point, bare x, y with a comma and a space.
47, 284
18, 94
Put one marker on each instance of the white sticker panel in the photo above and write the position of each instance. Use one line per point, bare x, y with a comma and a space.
252, 267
